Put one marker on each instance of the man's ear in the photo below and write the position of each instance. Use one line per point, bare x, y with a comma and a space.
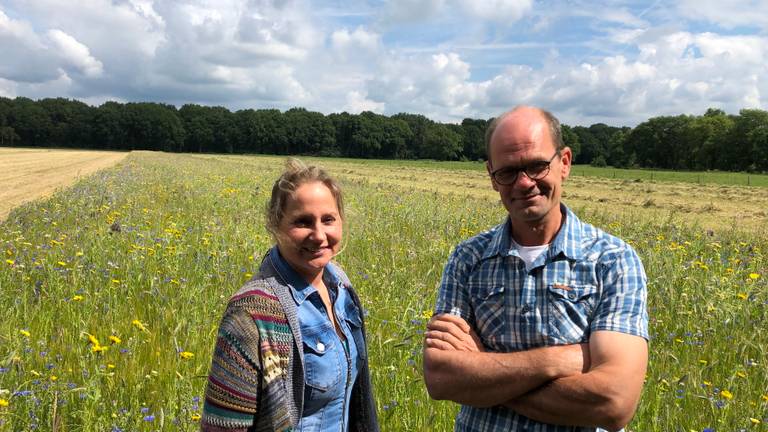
566, 159
490, 170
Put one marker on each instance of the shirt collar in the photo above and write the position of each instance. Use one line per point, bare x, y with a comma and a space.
499, 241
567, 240
299, 288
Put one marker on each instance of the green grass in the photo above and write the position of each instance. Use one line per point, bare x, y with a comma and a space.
191, 232
700, 177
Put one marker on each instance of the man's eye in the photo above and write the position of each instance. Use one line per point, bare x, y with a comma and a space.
509, 172
537, 167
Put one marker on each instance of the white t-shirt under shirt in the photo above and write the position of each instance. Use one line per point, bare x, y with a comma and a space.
528, 253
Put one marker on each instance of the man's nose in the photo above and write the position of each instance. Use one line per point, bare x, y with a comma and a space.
523, 181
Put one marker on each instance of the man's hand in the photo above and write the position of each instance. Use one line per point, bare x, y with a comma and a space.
451, 333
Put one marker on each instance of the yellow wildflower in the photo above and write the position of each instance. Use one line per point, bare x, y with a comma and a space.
98, 348
115, 281
4, 403
139, 325
25, 333
742, 296
92, 339
186, 355
10, 262
54, 377
704, 362
77, 298
754, 276
707, 383
741, 374
110, 366
62, 263
725, 394
194, 416
765, 397
754, 421
115, 339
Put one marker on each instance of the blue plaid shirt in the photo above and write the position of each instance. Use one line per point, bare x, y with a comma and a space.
586, 281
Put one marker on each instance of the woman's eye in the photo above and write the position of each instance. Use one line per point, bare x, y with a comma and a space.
302, 222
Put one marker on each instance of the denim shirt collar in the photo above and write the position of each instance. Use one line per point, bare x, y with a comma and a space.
300, 289
567, 241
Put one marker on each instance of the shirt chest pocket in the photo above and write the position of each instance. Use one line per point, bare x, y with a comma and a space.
355, 324
569, 311
490, 306
322, 371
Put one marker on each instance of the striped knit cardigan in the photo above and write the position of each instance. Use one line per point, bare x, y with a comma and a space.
256, 380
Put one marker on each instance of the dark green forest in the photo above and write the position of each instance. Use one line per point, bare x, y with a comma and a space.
712, 141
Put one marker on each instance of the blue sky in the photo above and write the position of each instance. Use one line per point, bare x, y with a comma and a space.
612, 61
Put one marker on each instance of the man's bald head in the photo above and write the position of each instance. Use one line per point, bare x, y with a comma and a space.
551, 121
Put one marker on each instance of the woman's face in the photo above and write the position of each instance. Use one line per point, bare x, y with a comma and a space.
309, 234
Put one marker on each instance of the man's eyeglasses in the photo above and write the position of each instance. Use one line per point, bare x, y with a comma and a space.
534, 170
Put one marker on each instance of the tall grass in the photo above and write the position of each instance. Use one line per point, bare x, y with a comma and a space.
147, 253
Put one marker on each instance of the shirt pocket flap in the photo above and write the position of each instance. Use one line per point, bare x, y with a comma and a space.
490, 292
318, 342
571, 293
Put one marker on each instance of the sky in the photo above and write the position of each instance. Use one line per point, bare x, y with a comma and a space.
611, 61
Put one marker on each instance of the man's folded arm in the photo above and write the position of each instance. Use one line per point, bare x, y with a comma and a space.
456, 368
606, 396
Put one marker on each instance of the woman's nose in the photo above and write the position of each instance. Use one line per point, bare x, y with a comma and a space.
317, 233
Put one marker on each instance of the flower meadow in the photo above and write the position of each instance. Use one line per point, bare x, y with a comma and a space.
112, 290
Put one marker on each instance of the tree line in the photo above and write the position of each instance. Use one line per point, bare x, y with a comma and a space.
712, 141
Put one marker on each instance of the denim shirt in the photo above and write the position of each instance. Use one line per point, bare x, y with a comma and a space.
331, 364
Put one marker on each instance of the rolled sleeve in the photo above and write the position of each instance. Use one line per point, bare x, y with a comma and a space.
453, 297
623, 304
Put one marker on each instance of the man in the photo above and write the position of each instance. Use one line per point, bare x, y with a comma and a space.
541, 322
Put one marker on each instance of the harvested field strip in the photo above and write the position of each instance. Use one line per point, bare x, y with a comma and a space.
30, 174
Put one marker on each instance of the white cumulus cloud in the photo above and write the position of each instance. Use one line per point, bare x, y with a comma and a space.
75, 54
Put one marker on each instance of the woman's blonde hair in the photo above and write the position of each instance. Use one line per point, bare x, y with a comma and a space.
297, 173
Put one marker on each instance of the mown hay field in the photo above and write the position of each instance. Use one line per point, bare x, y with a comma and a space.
112, 289
33, 173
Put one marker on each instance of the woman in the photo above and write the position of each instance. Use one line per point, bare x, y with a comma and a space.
290, 352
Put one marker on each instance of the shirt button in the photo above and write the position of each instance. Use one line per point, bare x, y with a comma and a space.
572, 296
320, 347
